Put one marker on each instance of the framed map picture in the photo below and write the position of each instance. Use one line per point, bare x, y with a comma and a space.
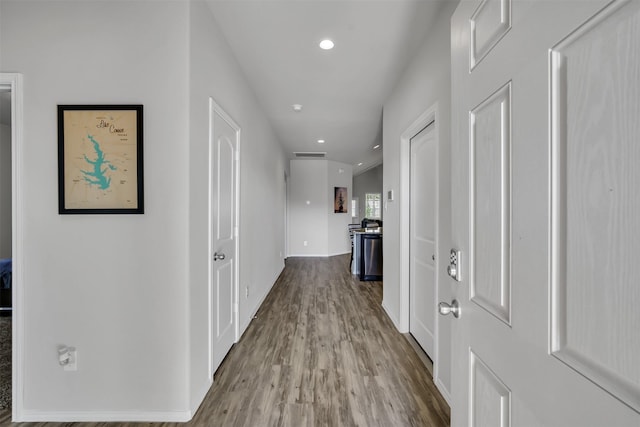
100, 168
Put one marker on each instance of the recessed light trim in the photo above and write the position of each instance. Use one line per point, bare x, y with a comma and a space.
360, 164
297, 107
375, 147
321, 141
326, 44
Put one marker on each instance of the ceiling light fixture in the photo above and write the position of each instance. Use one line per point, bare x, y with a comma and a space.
297, 107
321, 141
326, 44
375, 147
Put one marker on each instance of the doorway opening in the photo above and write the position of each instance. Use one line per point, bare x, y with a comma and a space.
6, 230
10, 247
224, 197
423, 229
440, 352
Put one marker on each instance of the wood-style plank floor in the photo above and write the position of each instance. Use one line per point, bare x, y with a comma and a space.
320, 352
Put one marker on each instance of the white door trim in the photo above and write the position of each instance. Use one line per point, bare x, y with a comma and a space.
215, 108
13, 82
422, 121
285, 254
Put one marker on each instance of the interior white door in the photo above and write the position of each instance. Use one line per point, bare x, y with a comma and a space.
223, 219
422, 246
545, 201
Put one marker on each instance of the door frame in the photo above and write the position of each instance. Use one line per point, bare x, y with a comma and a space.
13, 82
422, 121
214, 108
285, 254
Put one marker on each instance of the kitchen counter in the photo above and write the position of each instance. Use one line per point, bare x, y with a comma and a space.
367, 242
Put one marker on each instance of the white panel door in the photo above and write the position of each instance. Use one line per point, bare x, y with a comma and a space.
223, 227
545, 202
422, 250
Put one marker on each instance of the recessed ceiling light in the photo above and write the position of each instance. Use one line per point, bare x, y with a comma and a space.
297, 107
360, 164
326, 44
321, 141
375, 147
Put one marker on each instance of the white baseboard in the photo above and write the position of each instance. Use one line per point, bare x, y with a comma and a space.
117, 416
308, 255
443, 391
246, 322
198, 398
318, 255
341, 253
390, 316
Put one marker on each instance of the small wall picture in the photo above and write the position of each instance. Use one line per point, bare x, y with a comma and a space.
340, 201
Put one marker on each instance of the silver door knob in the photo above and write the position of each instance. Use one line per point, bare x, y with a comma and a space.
218, 256
445, 308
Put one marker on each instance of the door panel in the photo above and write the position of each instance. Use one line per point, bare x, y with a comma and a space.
224, 300
223, 250
489, 23
548, 300
422, 277
490, 398
490, 169
595, 223
225, 206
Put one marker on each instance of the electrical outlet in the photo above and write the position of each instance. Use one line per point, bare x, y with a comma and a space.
304, 243
246, 291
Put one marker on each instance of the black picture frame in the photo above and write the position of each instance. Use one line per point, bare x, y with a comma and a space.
100, 159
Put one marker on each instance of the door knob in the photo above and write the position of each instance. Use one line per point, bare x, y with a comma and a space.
218, 256
453, 308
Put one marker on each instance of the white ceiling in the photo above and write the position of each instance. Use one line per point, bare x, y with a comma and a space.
342, 91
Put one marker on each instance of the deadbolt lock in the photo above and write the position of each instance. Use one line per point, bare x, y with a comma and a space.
454, 269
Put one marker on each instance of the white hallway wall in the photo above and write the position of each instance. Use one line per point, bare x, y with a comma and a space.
214, 72
425, 82
93, 281
124, 289
339, 175
311, 211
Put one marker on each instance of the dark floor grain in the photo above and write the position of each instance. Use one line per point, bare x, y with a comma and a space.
320, 352
5, 363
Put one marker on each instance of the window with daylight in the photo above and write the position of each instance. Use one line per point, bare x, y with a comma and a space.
372, 209
354, 207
